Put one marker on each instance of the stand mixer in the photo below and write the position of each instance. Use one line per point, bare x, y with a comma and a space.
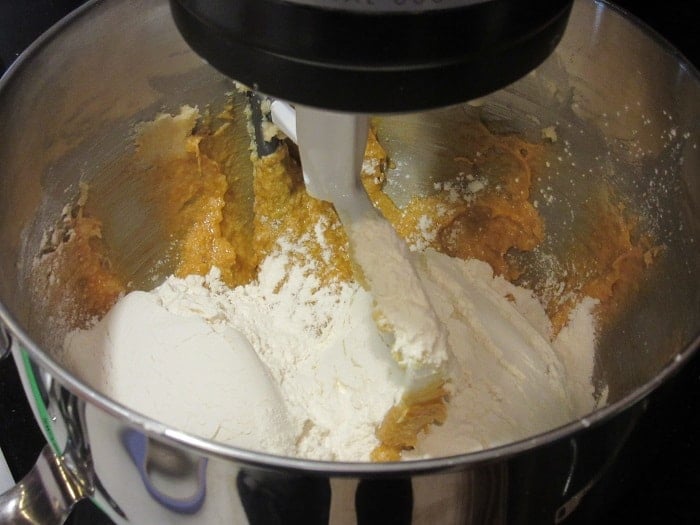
350, 58
373, 56
328, 64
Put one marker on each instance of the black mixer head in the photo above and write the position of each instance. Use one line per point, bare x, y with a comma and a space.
373, 56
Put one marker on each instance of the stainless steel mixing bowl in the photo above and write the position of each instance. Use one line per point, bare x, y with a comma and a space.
626, 108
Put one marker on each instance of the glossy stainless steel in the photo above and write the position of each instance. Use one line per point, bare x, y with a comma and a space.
625, 108
45, 495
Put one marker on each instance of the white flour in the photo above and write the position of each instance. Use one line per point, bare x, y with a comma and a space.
290, 367
419, 343
509, 381
320, 349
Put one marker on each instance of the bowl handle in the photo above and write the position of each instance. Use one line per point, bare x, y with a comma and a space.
45, 495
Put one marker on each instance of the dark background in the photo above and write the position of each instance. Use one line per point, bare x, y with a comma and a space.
657, 477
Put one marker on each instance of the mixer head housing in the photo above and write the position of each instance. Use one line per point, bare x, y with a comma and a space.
373, 56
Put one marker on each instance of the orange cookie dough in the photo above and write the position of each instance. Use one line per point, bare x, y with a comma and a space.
73, 275
283, 209
484, 225
217, 218
405, 421
607, 262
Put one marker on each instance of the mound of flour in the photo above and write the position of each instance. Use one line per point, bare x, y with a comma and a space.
288, 366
